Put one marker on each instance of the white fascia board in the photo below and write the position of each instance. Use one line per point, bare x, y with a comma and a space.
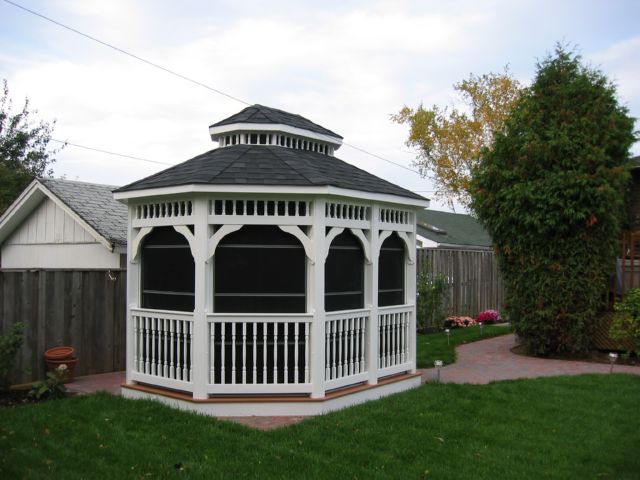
20, 209
29, 200
215, 132
272, 190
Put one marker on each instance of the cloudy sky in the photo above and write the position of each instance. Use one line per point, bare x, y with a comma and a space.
346, 65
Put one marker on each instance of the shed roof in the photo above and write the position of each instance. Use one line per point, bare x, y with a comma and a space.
269, 165
454, 229
267, 115
94, 203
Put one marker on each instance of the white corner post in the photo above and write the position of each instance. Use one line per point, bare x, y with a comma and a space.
315, 299
133, 286
200, 337
371, 289
410, 272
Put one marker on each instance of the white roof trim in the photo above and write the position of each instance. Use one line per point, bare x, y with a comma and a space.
271, 190
28, 200
219, 130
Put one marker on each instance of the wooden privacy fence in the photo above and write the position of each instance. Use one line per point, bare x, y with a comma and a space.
84, 309
472, 277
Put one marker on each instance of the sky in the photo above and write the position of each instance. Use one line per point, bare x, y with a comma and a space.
346, 65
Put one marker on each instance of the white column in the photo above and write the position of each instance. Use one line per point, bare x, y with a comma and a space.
200, 342
315, 300
133, 293
410, 293
372, 283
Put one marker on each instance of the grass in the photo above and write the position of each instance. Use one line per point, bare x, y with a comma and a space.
434, 346
556, 428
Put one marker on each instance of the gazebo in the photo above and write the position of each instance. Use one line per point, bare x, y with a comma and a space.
268, 277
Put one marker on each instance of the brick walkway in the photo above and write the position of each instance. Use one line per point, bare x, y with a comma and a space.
478, 362
492, 359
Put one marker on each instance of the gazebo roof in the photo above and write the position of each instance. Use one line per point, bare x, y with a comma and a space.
268, 165
267, 115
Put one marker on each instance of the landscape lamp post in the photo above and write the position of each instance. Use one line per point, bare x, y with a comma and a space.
438, 364
448, 332
612, 359
481, 325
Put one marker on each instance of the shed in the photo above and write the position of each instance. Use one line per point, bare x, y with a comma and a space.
268, 277
64, 224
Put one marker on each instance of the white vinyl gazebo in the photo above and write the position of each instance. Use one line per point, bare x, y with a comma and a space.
268, 277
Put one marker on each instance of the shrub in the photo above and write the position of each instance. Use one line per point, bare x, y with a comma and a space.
489, 316
455, 321
551, 193
52, 386
10, 343
432, 291
626, 323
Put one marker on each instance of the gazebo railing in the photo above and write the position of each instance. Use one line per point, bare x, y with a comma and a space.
393, 339
345, 348
162, 353
259, 353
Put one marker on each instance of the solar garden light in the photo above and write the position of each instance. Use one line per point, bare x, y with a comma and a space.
613, 356
481, 325
438, 364
448, 332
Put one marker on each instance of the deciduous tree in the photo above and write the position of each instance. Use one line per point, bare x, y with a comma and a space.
449, 140
24, 148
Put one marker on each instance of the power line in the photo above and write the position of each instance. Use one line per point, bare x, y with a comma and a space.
174, 73
111, 153
120, 50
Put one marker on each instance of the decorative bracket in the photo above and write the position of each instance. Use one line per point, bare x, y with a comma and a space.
299, 234
135, 245
215, 239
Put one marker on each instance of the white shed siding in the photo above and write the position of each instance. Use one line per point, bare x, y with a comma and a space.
60, 255
51, 238
48, 224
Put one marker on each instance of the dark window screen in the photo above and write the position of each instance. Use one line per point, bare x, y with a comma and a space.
344, 274
391, 272
168, 271
260, 269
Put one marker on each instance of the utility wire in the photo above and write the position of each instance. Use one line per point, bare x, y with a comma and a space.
174, 73
111, 153
120, 50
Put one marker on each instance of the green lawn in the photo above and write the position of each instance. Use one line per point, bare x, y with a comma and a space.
557, 428
434, 346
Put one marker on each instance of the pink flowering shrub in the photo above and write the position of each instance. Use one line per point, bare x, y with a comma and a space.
455, 321
489, 316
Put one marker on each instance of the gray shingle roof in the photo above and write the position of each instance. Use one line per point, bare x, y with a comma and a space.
95, 205
269, 165
457, 229
268, 115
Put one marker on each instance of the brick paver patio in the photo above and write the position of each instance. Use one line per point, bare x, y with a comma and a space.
490, 360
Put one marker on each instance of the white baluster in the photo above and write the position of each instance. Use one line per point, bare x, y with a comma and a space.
179, 344
264, 352
356, 351
147, 356
275, 353
234, 326
165, 360
212, 353
333, 349
351, 356
295, 349
307, 326
327, 349
244, 353
136, 339
340, 323
286, 353
223, 351
254, 375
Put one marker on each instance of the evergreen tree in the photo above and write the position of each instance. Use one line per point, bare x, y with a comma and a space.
551, 192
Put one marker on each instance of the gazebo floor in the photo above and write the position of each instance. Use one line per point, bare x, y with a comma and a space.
273, 405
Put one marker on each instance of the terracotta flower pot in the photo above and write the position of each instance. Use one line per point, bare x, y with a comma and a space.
59, 353
68, 372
